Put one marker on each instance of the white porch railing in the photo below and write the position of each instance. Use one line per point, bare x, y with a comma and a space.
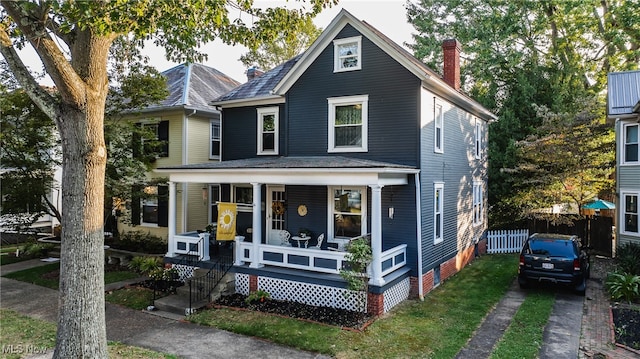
313, 259
506, 241
191, 243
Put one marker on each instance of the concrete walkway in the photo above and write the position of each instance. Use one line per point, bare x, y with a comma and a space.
142, 329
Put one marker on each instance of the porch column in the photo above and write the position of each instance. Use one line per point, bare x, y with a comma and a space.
171, 225
256, 225
376, 235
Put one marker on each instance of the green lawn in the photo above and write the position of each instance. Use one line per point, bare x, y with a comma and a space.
48, 275
437, 327
21, 336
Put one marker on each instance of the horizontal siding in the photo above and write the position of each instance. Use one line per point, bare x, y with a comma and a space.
626, 239
175, 142
240, 133
629, 176
197, 207
198, 139
393, 105
457, 168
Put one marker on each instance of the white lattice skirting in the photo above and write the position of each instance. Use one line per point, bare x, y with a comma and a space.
184, 271
396, 294
320, 295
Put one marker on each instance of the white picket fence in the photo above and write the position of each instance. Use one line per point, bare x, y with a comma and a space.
506, 241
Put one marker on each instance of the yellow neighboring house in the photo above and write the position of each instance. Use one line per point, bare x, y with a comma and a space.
192, 131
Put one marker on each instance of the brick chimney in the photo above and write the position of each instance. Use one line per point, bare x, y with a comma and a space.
451, 49
253, 72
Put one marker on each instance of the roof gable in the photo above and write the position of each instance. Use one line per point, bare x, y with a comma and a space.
194, 85
623, 93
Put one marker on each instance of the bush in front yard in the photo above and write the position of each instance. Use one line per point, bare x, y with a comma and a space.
627, 258
138, 241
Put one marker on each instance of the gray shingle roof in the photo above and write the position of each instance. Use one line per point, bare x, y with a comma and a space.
195, 85
260, 86
293, 162
623, 92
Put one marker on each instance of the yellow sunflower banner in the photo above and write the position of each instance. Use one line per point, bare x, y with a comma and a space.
226, 221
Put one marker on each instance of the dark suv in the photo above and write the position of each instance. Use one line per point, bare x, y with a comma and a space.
554, 258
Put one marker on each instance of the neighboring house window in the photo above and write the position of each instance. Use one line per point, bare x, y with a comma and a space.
348, 119
630, 213
478, 135
268, 131
347, 54
149, 206
438, 221
216, 142
157, 143
348, 211
243, 197
439, 133
477, 203
214, 198
631, 150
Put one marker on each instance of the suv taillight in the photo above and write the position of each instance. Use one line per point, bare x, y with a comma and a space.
576, 265
521, 260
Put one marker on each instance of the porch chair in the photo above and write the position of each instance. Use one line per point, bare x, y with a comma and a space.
285, 237
320, 240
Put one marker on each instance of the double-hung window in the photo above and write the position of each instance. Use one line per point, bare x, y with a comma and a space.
214, 198
630, 213
438, 144
268, 131
215, 135
347, 54
438, 206
243, 197
348, 211
631, 151
348, 121
477, 203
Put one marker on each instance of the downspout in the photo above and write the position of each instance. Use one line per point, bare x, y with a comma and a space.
419, 235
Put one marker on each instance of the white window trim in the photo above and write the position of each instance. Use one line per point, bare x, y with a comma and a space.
623, 202
262, 111
330, 209
438, 208
438, 122
342, 101
336, 53
142, 204
242, 207
478, 139
623, 151
211, 122
478, 201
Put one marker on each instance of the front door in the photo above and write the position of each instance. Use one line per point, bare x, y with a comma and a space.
275, 214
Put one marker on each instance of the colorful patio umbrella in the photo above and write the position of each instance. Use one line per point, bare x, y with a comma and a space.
599, 204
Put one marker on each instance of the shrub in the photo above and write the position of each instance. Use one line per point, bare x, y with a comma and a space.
623, 286
138, 241
36, 250
257, 296
627, 258
145, 265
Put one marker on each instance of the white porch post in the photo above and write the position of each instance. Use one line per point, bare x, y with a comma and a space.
376, 235
171, 226
256, 225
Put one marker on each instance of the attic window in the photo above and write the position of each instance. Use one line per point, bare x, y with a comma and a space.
347, 54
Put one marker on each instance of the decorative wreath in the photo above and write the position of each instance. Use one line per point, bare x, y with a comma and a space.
277, 208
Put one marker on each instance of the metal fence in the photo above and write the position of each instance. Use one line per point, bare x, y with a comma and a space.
506, 241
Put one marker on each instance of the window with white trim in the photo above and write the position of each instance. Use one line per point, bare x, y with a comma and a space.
243, 197
268, 130
631, 150
149, 205
348, 121
214, 198
348, 209
347, 54
438, 143
438, 221
477, 203
215, 136
630, 213
478, 137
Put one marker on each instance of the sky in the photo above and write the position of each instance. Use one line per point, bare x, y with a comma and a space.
388, 16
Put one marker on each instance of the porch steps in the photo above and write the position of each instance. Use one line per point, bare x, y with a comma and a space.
179, 303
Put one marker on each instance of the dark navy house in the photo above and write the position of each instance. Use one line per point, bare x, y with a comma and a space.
354, 137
